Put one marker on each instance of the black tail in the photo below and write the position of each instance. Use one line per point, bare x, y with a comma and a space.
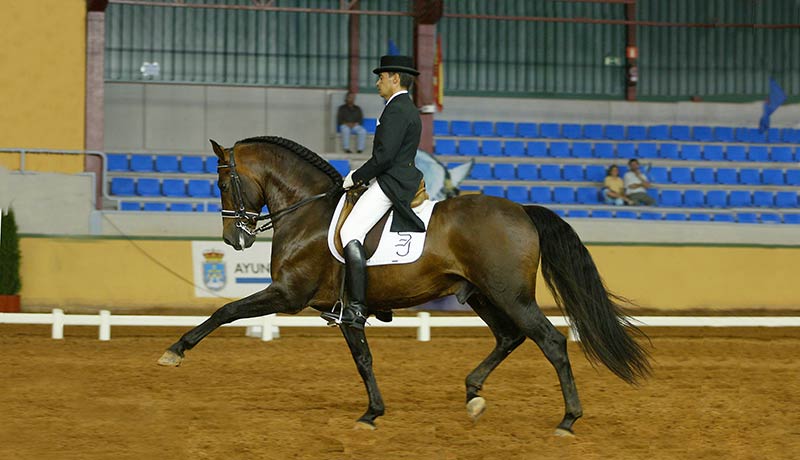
572, 277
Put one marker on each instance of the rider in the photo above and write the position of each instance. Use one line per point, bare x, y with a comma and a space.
391, 177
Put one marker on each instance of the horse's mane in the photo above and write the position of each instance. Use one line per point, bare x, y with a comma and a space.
303, 152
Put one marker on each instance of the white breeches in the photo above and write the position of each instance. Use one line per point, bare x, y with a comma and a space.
368, 210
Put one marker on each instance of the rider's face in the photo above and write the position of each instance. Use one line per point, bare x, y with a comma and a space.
385, 84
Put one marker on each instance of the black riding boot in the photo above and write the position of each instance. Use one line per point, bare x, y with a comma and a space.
355, 312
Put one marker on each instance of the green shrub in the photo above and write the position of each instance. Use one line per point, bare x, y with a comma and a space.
9, 255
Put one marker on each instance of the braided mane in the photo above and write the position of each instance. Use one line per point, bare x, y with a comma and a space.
304, 153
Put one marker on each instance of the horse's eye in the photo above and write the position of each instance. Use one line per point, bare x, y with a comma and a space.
222, 186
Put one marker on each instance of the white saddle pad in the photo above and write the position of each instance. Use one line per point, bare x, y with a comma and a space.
394, 247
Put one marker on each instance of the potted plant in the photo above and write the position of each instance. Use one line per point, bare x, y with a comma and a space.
9, 263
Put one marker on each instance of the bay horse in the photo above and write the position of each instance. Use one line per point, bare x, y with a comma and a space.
484, 250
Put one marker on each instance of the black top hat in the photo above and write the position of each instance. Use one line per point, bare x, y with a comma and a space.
395, 63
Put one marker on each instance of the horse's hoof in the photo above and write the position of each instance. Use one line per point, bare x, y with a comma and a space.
170, 359
562, 433
476, 407
362, 425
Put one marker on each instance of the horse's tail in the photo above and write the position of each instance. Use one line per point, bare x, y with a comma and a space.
572, 277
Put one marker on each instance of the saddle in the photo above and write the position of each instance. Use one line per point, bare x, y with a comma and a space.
374, 235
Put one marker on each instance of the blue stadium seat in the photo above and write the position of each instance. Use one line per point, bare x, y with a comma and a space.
702, 134
573, 173
658, 175
369, 125
445, 147
793, 176
691, 152
141, 163
504, 171
749, 176
461, 128
717, 198
211, 164
529, 130
713, 153
675, 216
723, 218
723, 134
541, 195
595, 173
492, 148
601, 213
494, 190
537, 149
441, 128
746, 218
735, 153
740, 199
588, 195
550, 130
578, 213
514, 149
468, 147
155, 207
658, 132
772, 176
703, 176
671, 198
669, 151
173, 187
593, 131
192, 164
130, 206
763, 199
791, 219
581, 150
786, 199
782, 154
122, 186
626, 150
117, 162
527, 172
564, 195
680, 133
561, 212
754, 135
215, 192
625, 215
212, 207
774, 135
517, 194
166, 163
483, 128
200, 188
506, 129
680, 175
727, 176
637, 133
693, 198
481, 171
181, 207
770, 218
647, 151
148, 187
700, 216
604, 150
342, 166
742, 135
615, 132
790, 135
470, 188
559, 150
758, 153
550, 172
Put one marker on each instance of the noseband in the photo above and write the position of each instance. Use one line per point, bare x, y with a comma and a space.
244, 218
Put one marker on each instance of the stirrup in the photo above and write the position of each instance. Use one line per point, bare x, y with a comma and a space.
331, 316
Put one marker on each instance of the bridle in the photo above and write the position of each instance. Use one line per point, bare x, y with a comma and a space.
244, 218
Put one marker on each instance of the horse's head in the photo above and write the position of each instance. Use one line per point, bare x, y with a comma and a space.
242, 197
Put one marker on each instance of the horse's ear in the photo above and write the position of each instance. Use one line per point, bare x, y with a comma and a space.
218, 150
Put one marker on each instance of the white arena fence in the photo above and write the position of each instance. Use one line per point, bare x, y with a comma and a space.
268, 327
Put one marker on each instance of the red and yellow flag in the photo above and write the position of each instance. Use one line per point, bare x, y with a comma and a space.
438, 75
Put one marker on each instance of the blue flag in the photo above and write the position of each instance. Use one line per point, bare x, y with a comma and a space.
775, 99
393, 51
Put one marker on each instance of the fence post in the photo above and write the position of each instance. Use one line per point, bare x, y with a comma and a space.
424, 330
58, 324
266, 328
105, 325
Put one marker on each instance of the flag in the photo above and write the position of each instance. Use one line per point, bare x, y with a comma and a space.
393, 50
775, 99
438, 75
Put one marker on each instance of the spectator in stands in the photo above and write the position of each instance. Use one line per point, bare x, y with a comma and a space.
636, 185
349, 119
614, 188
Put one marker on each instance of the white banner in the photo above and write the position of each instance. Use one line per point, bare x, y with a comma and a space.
220, 270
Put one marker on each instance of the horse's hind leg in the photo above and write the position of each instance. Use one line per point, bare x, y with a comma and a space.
508, 337
357, 341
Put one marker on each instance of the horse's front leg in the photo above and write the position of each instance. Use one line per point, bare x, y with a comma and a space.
273, 299
357, 341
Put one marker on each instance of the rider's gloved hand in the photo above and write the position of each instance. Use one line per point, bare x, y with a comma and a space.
348, 181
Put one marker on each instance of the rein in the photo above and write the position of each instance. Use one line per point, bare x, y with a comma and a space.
244, 217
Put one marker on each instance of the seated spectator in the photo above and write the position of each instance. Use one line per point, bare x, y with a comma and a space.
614, 188
349, 119
636, 185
